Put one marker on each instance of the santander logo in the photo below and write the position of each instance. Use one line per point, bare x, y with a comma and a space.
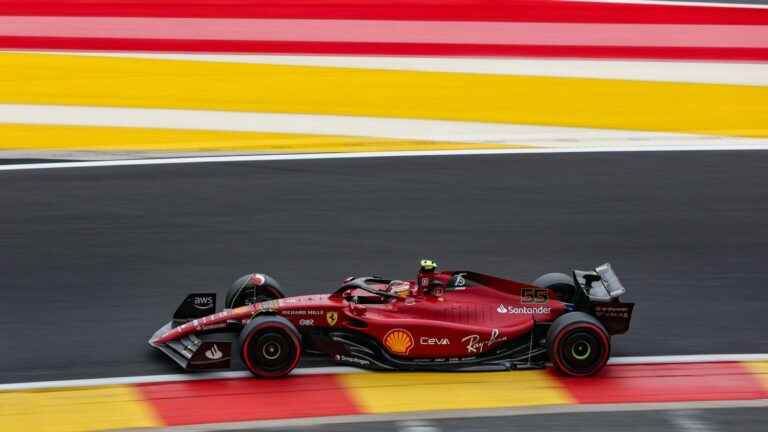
214, 353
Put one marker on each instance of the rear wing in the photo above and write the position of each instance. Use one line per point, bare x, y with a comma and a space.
601, 285
603, 288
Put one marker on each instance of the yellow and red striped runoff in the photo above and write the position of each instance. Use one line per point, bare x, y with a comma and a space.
234, 400
738, 110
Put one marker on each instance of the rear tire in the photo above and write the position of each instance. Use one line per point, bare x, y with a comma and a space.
252, 288
578, 343
270, 346
560, 283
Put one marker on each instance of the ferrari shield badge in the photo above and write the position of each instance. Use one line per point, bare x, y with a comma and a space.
331, 317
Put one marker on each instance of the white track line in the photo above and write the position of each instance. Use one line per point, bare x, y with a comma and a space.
739, 73
681, 3
353, 126
699, 358
694, 358
358, 126
364, 155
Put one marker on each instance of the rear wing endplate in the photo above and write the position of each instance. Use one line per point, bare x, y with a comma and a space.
600, 285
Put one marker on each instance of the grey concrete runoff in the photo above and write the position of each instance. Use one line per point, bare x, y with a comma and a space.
93, 261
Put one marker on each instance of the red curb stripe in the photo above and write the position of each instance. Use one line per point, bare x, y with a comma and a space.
667, 383
440, 10
216, 401
380, 31
608, 52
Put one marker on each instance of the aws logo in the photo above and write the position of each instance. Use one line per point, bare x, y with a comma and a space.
398, 341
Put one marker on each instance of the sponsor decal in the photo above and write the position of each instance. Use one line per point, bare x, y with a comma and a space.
208, 320
534, 295
458, 282
306, 322
523, 310
353, 360
257, 279
303, 312
214, 353
612, 311
202, 302
424, 340
476, 345
331, 317
398, 341
269, 306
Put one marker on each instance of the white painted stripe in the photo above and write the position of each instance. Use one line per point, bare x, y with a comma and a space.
694, 358
667, 71
699, 358
690, 421
147, 379
681, 3
362, 155
390, 31
395, 128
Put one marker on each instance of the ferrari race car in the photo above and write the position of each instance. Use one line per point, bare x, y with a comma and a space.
441, 321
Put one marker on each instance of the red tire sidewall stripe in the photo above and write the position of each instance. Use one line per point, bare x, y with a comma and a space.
568, 329
258, 329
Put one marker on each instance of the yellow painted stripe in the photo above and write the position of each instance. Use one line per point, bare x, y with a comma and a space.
390, 392
93, 138
64, 410
619, 104
759, 371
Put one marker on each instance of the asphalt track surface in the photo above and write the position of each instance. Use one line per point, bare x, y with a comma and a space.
93, 260
721, 420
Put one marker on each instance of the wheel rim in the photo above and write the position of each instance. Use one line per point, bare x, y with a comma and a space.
581, 351
272, 351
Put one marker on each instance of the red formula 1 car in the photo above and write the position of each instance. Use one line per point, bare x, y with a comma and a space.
449, 320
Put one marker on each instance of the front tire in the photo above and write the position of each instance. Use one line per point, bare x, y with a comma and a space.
252, 288
270, 346
579, 345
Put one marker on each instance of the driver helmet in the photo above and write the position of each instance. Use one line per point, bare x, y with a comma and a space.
400, 288
426, 275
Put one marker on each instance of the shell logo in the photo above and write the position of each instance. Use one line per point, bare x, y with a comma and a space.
398, 341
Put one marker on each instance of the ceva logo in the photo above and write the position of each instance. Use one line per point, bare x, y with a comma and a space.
501, 309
